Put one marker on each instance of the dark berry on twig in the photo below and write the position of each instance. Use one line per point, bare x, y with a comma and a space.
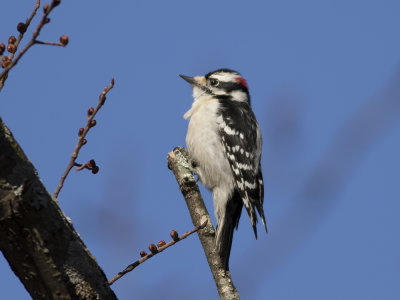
21, 27
95, 170
91, 163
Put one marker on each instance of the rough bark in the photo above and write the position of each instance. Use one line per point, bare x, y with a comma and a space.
179, 163
37, 239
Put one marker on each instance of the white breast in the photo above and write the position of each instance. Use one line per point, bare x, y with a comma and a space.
204, 144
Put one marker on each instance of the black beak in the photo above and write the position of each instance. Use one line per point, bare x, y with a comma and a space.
194, 82
188, 79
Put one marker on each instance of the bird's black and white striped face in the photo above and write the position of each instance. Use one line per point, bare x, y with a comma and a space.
222, 82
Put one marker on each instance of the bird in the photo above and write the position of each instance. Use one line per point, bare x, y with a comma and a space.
224, 143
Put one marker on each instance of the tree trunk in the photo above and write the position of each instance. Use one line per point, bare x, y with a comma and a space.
37, 239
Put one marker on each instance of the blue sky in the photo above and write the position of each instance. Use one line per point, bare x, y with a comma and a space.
324, 80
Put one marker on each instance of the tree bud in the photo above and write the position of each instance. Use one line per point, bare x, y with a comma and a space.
90, 111
12, 39
6, 62
21, 27
64, 40
95, 170
2, 48
153, 248
11, 48
174, 235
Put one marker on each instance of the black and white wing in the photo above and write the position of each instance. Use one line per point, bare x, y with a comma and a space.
241, 137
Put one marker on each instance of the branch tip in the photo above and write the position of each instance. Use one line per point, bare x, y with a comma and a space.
154, 251
64, 40
82, 141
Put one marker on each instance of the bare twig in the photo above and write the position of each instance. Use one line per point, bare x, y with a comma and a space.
27, 23
43, 21
90, 165
154, 250
82, 134
178, 162
49, 43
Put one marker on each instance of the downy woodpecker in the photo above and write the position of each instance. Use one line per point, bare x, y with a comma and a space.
224, 142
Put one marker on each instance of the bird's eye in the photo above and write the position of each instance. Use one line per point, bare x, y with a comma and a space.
214, 82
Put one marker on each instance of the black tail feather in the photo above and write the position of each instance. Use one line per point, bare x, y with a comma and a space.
259, 204
226, 226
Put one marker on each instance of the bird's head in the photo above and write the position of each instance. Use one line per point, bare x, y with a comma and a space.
222, 82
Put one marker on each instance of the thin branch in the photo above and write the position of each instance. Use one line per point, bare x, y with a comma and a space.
27, 23
82, 134
179, 163
154, 250
43, 21
49, 43
90, 165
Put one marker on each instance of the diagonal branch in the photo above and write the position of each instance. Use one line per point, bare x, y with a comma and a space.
154, 250
82, 134
178, 162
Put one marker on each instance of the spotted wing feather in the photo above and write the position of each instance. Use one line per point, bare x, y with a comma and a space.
241, 137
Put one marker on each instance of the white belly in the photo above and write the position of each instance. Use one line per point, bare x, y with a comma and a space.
205, 146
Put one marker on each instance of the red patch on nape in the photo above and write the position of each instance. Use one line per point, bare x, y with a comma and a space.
242, 81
